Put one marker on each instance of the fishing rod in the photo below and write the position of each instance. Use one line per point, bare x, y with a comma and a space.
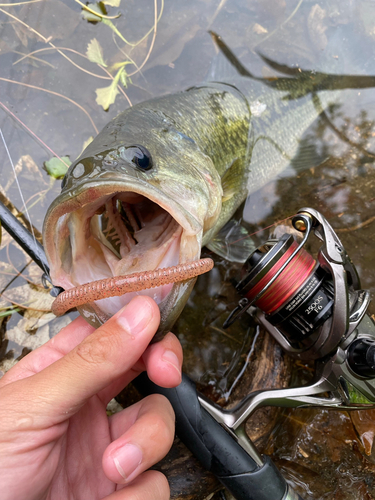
24, 238
29, 244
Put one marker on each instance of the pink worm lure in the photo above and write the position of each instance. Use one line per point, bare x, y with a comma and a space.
119, 285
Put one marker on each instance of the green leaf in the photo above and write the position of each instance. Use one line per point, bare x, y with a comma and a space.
89, 16
109, 23
95, 52
112, 3
125, 80
57, 167
118, 65
87, 142
9, 312
107, 95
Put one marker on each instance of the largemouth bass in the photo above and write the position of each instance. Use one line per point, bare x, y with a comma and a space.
161, 179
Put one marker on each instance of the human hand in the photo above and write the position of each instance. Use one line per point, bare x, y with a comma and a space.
56, 441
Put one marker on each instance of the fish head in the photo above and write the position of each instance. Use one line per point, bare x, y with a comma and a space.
136, 200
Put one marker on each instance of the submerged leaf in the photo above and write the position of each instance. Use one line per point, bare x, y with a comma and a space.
89, 16
95, 52
87, 142
119, 65
57, 167
112, 3
107, 95
28, 297
125, 80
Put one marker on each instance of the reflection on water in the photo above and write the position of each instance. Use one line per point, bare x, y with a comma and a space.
319, 462
333, 170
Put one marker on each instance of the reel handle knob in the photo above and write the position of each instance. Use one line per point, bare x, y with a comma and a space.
361, 357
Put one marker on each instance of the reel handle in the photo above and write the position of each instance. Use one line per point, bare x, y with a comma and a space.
218, 450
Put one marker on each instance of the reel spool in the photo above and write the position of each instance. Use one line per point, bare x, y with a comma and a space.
309, 305
301, 297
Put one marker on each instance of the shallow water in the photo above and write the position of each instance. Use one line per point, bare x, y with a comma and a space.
333, 172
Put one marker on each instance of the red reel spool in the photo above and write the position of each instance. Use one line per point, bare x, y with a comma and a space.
286, 285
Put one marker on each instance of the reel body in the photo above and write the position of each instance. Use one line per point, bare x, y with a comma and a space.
309, 306
316, 310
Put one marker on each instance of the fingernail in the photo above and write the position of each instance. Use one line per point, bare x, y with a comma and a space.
127, 459
171, 358
135, 316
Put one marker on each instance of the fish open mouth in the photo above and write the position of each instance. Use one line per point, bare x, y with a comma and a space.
119, 234
128, 233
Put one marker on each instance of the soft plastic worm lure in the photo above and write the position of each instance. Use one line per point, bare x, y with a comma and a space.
119, 285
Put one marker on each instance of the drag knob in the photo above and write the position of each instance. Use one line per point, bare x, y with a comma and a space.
361, 357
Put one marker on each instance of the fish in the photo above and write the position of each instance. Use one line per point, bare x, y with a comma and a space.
165, 176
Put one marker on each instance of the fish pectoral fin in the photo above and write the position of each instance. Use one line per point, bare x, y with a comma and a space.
232, 242
232, 180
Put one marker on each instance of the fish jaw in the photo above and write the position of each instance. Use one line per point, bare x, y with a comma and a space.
164, 234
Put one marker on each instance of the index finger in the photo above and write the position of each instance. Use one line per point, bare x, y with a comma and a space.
107, 354
59, 345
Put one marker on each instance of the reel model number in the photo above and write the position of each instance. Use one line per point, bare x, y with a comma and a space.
315, 306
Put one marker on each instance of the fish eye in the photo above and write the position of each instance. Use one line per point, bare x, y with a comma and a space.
139, 155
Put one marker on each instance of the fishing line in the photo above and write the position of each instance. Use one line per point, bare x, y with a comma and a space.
242, 371
258, 231
20, 191
32, 133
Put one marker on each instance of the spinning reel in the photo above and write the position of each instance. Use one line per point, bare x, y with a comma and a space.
315, 309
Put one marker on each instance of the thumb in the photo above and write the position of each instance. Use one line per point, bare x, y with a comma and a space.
59, 391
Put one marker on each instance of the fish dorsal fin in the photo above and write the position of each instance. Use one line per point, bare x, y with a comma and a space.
232, 242
225, 65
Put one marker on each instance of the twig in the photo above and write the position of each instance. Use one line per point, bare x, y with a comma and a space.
279, 27
220, 6
46, 40
32, 133
24, 306
54, 93
17, 213
98, 14
11, 4
62, 48
109, 77
34, 59
20, 190
152, 41
357, 226
225, 334
20, 273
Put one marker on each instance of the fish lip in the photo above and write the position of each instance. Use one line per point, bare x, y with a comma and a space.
105, 187
79, 196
